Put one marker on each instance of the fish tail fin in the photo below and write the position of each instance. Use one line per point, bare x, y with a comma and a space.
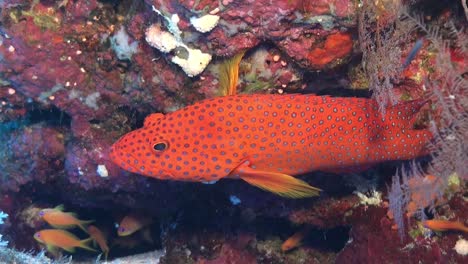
405, 113
278, 183
229, 74
404, 116
83, 223
84, 244
463, 227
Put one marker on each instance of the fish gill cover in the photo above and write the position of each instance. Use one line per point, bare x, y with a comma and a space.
75, 76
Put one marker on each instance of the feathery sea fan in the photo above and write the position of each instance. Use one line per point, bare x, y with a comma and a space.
447, 92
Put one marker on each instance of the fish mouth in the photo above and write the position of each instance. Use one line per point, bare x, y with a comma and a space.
122, 159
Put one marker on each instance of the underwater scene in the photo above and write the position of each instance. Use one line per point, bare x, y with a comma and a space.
233, 131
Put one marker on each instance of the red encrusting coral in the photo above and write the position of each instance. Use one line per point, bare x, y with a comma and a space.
336, 47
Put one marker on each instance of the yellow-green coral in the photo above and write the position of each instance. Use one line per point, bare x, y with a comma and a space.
43, 20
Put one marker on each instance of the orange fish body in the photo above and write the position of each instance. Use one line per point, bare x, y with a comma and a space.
132, 223
263, 139
59, 219
295, 240
445, 225
99, 238
55, 238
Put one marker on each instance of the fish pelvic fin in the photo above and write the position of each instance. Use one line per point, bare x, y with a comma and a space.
84, 244
52, 250
229, 74
278, 183
69, 249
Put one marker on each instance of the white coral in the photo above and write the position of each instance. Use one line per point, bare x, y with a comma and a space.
204, 23
461, 247
160, 39
373, 198
195, 63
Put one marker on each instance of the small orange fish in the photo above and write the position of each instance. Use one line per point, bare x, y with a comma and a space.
56, 238
100, 239
59, 219
132, 223
445, 225
295, 240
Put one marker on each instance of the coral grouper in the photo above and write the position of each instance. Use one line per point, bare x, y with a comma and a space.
264, 139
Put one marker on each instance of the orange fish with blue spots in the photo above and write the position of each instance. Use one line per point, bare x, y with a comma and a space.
267, 139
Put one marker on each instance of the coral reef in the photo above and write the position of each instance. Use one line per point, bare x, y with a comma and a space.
77, 75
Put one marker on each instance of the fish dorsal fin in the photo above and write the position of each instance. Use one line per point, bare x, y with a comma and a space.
229, 74
59, 207
152, 118
277, 183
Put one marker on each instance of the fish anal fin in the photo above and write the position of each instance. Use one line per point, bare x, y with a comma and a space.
152, 118
278, 183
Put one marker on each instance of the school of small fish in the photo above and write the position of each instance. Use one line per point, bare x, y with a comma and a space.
55, 239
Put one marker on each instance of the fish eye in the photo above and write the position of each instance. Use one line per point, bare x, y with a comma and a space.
160, 146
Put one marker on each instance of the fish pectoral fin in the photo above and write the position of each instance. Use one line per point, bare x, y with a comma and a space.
278, 183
